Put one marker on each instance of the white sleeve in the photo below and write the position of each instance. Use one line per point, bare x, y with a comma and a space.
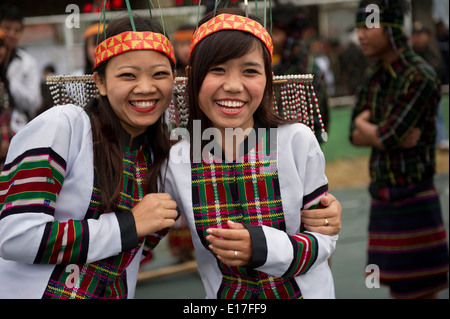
45, 191
292, 252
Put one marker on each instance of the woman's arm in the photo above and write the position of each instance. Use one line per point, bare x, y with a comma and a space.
45, 189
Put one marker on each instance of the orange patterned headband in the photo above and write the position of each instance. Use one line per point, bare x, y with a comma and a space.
232, 22
132, 41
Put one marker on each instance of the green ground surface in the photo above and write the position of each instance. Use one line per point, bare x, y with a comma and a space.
338, 145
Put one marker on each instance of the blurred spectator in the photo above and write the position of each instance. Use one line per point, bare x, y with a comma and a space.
21, 69
47, 100
90, 44
317, 49
395, 116
333, 50
353, 64
420, 41
442, 40
181, 40
5, 104
291, 56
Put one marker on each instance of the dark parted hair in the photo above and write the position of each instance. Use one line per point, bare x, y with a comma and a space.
11, 12
107, 130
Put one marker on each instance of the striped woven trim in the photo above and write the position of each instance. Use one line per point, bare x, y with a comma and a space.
64, 243
306, 250
22, 182
407, 241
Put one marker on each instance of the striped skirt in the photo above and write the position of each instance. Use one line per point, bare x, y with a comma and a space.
407, 240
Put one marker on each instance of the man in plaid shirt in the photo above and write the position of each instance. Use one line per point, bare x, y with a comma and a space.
395, 115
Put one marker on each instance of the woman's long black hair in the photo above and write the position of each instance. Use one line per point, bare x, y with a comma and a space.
107, 131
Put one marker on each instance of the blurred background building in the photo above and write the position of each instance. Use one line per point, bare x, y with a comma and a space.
54, 30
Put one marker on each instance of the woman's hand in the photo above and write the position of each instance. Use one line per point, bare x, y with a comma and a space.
232, 246
154, 213
325, 220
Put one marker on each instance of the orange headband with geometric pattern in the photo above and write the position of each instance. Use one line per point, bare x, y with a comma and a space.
228, 21
133, 41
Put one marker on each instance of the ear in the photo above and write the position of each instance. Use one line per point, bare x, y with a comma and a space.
188, 68
100, 82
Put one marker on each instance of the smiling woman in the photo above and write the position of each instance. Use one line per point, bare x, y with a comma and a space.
232, 91
243, 209
139, 87
81, 183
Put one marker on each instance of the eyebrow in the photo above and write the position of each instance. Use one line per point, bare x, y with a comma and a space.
138, 67
254, 64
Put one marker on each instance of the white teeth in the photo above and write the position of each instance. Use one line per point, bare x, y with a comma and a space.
143, 103
231, 104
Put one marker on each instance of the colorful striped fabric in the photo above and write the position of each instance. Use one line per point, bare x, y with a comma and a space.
107, 278
247, 191
32, 182
408, 241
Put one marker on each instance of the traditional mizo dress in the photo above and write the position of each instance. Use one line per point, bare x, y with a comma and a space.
279, 172
55, 239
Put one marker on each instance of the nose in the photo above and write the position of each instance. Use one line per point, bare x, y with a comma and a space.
145, 85
233, 83
361, 32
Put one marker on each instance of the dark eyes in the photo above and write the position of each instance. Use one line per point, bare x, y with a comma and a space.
252, 71
216, 69
126, 75
248, 71
155, 75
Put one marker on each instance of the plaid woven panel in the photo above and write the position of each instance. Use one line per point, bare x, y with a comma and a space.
105, 278
245, 192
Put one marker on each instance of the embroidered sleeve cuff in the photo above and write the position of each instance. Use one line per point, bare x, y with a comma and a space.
128, 233
305, 254
259, 245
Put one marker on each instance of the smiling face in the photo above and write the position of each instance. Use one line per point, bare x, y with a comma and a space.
139, 87
232, 91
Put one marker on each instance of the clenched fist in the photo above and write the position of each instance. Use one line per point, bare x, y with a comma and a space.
154, 213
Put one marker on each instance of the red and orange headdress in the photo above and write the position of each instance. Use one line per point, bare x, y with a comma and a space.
227, 21
132, 41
